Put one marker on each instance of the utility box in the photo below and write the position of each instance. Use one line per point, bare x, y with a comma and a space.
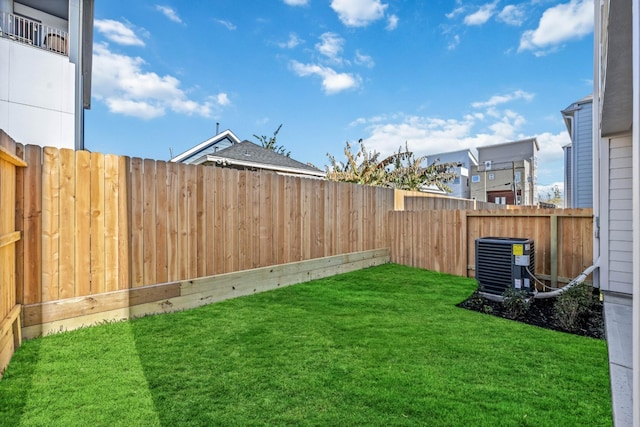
502, 263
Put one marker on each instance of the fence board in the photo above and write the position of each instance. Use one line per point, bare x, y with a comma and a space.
67, 223
192, 221
124, 230
137, 223
162, 274
82, 223
97, 205
50, 224
201, 226
210, 229
149, 223
111, 224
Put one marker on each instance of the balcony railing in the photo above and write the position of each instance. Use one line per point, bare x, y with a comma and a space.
24, 30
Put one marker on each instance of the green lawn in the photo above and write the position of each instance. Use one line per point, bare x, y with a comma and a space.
382, 346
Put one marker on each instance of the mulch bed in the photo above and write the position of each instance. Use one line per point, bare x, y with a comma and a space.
541, 313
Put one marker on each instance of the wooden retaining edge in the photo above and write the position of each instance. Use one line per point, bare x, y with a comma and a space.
74, 313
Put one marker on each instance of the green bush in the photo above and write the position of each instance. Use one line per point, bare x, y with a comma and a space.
572, 305
516, 303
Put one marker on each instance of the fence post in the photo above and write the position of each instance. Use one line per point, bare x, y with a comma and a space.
553, 235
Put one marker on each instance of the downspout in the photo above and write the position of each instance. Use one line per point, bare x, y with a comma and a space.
635, 156
595, 143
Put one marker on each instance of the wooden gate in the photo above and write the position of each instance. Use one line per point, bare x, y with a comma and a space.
10, 335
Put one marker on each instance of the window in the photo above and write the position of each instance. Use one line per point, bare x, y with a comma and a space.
492, 177
517, 177
518, 200
475, 178
456, 180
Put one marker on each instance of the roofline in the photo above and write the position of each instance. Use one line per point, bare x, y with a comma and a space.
534, 139
464, 150
202, 145
228, 161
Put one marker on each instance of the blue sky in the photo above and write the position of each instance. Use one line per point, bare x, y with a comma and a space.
441, 75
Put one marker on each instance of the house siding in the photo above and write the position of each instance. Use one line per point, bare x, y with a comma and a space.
582, 150
620, 215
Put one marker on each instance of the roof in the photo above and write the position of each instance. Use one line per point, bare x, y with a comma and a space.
467, 151
248, 154
534, 140
227, 134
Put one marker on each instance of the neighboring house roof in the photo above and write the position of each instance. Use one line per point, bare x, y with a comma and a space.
512, 143
225, 149
206, 146
452, 154
249, 155
569, 112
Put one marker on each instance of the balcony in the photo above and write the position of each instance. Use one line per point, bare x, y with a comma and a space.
33, 33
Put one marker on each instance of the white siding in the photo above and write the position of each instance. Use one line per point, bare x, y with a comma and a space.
37, 104
620, 215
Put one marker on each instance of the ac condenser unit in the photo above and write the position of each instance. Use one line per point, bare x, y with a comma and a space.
502, 263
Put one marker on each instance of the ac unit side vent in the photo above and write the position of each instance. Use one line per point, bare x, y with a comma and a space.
501, 263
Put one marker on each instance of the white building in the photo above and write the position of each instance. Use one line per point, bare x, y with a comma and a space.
464, 159
45, 70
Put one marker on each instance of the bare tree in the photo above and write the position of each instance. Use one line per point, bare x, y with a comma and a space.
271, 143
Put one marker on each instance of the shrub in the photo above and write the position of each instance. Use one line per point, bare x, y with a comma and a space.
516, 303
572, 305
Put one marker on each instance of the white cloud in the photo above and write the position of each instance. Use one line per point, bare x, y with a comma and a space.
455, 41
117, 32
512, 15
293, 42
482, 15
455, 12
228, 24
502, 99
560, 23
169, 12
330, 45
358, 13
121, 83
223, 99
332, 81
392, 22
296, 2
139, 109
429, 135
365, 60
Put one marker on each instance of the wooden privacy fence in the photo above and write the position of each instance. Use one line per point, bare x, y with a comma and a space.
105, 236
10, 309
445, 240
99, 223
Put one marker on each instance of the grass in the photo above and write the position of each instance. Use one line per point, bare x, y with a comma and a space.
381, 346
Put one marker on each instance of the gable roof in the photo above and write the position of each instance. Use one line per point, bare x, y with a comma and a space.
203, 146
250, 155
